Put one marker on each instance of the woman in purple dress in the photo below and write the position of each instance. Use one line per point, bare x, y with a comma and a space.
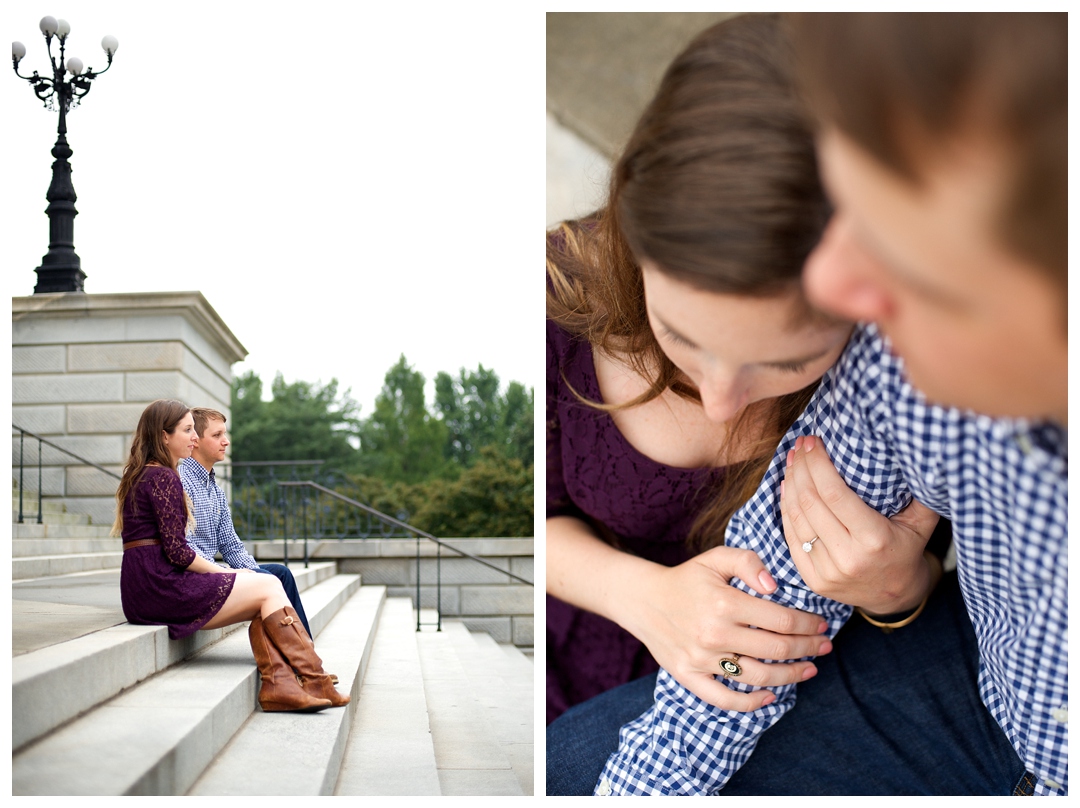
164, 582
680, 348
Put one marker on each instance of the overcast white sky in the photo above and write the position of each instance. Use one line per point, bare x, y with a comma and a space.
342, 185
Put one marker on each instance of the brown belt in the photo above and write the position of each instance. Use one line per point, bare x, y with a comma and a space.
141, 543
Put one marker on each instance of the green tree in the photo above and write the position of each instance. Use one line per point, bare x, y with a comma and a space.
476, 415
303, 421
492, 498
402, 441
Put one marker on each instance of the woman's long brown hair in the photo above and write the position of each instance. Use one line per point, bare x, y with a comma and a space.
147, 446
718, 187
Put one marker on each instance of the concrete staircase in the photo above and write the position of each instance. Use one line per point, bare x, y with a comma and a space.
100, 706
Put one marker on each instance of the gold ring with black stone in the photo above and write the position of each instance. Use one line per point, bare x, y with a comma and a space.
730, 666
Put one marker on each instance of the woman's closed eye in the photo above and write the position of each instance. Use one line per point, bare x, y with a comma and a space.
677, 339
790, 367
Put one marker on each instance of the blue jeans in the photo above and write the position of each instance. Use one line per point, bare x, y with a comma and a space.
288, 583
895, 713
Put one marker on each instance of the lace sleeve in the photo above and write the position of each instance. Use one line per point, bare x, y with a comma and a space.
558, 498
171, 516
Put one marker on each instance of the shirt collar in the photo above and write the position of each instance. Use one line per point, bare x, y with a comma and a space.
195, 468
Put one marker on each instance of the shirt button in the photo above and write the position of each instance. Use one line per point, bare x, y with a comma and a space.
1061, 714
1052, 784
604, 789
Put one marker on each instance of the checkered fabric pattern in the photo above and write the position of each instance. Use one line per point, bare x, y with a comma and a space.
214, 529
1002, 482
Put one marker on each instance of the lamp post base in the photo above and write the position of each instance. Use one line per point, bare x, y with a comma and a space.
59, 279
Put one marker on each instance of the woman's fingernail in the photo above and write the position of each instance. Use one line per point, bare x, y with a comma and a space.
823, 627
810, 671
790, 454
808, 444
766, 581
825, 648
769, 699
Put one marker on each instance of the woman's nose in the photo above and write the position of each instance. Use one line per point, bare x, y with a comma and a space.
722, 397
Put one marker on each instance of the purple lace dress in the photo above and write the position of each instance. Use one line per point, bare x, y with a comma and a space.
155, 587
641, 506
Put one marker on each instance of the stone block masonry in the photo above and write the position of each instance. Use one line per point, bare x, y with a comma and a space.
85, 366
483, 598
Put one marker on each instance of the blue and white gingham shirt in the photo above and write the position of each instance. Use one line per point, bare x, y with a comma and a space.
1002, 482
214, 531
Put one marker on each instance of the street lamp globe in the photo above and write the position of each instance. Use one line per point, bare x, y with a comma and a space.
61, 269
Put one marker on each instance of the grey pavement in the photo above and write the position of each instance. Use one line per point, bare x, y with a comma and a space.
602, 68
47, 611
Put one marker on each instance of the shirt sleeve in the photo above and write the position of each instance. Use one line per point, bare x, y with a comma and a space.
229, 545
684, 745
171, 515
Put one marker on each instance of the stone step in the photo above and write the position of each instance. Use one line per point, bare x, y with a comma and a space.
502, 679
52, 511
47, 566
296, 753
471, 758
89, 543
53, 685
62, 530
158, 737
390, 750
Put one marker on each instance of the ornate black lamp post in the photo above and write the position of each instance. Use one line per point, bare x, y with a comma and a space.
60, 270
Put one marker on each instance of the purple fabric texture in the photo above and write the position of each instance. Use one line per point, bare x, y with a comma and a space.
155, 587
640, 506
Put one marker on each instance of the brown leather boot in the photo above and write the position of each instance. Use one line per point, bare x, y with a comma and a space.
333, 676
279, 691
287, 633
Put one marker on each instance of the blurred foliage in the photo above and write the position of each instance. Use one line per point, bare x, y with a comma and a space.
463, 468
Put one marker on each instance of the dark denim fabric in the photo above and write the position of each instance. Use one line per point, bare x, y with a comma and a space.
887, 714
288, 583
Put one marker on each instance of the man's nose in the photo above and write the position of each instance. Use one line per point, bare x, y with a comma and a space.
842, 278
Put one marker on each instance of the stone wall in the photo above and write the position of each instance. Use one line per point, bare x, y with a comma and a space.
85, 366
484, 599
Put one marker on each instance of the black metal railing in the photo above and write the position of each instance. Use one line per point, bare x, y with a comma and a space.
410, 532
23, 433
261, 508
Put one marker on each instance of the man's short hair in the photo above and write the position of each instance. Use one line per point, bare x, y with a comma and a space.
203, 416
892, 82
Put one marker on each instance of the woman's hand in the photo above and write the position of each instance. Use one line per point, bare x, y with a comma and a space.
859, 557
689, 617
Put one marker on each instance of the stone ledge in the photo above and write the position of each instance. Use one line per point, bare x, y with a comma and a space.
69, 305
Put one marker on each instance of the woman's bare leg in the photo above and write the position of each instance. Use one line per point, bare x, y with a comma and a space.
251, 595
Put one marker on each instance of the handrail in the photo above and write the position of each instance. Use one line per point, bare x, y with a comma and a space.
237, 463
82, 460
22, 437
408, 527
417, 532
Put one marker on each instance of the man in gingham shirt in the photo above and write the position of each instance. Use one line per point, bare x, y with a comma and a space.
951, 233
996, 479
214, 530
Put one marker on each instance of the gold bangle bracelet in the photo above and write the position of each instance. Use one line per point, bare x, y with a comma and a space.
887, 627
